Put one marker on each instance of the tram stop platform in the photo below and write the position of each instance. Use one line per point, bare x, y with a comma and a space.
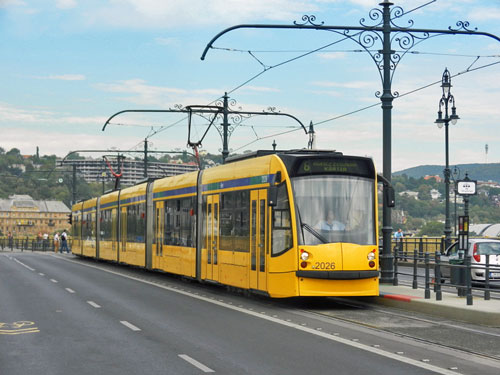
482, 312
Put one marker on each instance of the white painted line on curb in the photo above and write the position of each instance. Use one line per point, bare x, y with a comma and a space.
195, 363
129, 325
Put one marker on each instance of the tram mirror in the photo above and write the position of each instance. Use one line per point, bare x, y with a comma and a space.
272, 196
389, 196
276, 178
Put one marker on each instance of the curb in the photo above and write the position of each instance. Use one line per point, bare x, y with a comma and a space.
469, 314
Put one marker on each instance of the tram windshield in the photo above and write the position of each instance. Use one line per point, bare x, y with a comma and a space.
335, 208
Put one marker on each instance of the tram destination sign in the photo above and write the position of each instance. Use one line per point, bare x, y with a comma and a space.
359, 167
466, 187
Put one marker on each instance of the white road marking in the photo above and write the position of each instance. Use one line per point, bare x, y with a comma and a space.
54, 281
195, 363
70, 290
129, 325
93, 304
298, 327
24, 265
41, 274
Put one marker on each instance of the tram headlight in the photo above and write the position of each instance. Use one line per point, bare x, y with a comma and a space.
371, 255
304, 255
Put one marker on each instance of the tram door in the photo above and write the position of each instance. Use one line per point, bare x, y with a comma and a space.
158, 243
114, 232
212, 237
123, 230
258, 236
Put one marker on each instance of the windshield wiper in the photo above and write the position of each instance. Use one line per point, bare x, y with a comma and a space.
309, 228
314, 233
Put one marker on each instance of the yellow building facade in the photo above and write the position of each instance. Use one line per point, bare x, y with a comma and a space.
21, 216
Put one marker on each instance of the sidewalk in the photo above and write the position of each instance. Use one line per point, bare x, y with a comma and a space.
451, 306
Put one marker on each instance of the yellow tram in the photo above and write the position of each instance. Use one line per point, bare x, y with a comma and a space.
280, 223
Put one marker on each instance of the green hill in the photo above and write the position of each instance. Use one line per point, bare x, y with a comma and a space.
480, 172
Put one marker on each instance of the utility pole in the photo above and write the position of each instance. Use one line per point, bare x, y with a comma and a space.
225, 125
145, 158
215, 111
73, 200
386, 31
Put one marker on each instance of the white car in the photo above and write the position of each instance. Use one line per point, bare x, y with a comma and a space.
479, 249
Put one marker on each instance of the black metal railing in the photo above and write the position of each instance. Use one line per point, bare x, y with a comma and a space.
460, 275
29, 244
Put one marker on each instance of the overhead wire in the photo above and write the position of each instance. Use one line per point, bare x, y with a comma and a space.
266, 68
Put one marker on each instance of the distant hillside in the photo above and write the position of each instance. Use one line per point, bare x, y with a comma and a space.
480, 172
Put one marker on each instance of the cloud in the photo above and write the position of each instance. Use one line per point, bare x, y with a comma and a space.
344, 85
485, 14
66, 4
195, 13
141, 93
66, 77
261, 89
11, 3
166, 41
332, 55
10, 114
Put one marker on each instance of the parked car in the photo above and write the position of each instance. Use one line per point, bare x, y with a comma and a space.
478, 249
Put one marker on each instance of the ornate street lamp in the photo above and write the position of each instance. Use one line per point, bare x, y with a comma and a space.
446, 100
377, 37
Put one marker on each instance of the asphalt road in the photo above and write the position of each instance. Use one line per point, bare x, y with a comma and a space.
63, 315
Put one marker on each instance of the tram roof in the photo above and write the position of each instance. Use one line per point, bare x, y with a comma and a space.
258, 153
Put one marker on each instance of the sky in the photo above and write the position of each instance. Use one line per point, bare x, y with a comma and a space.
69, 65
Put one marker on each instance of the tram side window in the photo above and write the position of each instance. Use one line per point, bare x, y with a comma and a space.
88, 227
136, 222
114, 224
234, 221
179, 222
282, 229
187, 221
105, 225
76, 228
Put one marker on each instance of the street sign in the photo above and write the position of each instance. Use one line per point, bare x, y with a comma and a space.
466, 187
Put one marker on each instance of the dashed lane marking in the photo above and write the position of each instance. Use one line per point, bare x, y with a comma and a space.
130, 325
24, 265
70, 290
378, 351
93, 304
195, 363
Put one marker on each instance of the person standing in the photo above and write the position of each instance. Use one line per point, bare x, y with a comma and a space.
56, 242
398, 236
64, 242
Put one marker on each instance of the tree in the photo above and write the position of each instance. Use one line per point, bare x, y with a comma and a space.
432, 228
424, 192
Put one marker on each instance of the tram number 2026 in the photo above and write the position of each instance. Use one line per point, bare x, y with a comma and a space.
324, 265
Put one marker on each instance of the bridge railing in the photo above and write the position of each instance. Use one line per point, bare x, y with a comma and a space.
426, 271
26, 243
